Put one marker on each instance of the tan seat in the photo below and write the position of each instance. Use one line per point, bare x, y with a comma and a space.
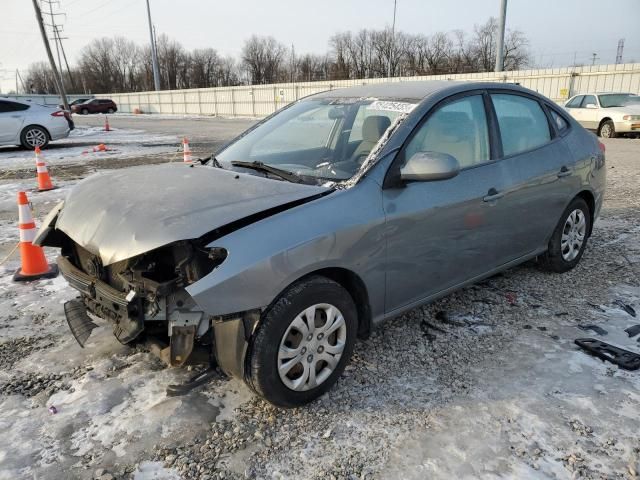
372, 129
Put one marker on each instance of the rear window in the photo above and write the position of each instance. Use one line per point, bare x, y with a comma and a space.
523, 123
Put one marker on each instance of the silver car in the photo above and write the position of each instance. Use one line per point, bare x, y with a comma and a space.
32, 125
339, 211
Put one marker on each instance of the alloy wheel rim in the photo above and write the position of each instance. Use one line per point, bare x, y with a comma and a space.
311, 347
573, 234
35, 138
605, 131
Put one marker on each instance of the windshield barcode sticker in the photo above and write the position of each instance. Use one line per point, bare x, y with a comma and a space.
402, 107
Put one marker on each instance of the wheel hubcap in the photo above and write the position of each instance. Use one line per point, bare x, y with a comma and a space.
573, 234
319, 330
605, 131
35, 138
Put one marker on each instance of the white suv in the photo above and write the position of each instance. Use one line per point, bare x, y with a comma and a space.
607, 113
32, 125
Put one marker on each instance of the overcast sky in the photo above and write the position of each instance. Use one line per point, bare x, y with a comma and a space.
555, 28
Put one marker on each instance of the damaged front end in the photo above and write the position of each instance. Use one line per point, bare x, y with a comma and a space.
143, 297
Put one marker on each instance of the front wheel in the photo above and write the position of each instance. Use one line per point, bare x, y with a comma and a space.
303, 343
84, 111
569, 239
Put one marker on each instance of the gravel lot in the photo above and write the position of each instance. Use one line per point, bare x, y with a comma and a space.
484, 383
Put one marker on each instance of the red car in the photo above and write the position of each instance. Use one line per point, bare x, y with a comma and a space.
95, 105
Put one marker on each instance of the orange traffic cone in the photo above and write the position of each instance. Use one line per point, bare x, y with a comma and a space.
186, 150
107, 128
44, 180
34, 263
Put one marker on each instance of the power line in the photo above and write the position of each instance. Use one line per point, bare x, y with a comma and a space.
45, 39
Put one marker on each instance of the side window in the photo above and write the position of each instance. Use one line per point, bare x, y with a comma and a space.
459, 129
561, 123
12, 107
589, 99
523, 124
575, 102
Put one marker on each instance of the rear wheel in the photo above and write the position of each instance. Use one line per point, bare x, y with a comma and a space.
34, 136
303, 343
110, 110
569, 239
607, 130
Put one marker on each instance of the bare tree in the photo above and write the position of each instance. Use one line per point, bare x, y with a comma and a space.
263, 57
119, 65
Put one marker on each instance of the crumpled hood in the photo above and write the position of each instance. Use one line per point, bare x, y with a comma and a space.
121, 214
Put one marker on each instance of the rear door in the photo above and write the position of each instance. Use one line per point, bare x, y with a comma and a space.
573, 107
589, 112
538, 166
12, 115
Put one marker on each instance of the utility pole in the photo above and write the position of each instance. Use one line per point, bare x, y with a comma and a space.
293, 63
594, 57
619, 52
64, 55
47, 47
500, 40
154, 53
393, 36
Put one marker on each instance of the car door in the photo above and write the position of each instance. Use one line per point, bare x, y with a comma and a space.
442, 233
12, 116
573, 107
589, 112
538, 166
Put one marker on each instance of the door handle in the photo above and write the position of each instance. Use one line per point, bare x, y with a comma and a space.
492, 195
564, 172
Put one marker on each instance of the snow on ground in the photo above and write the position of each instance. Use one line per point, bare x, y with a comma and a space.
78, 147
485, 383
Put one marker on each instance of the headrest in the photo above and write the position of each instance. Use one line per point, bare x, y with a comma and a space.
373, 127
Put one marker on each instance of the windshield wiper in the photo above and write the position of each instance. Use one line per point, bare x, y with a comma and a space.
263, 167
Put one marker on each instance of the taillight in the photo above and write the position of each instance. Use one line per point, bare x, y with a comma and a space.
58, 113
602, 147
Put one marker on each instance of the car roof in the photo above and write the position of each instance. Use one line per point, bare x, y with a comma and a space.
15, 100
604, 93
413, 91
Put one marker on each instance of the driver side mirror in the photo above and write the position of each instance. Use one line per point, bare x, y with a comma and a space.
590, 105
429, 166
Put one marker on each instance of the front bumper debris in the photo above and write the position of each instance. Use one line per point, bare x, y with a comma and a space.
79, 322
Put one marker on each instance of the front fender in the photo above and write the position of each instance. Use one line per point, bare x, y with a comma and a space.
344, 229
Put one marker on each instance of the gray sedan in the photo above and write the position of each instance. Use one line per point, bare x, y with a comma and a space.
339, 211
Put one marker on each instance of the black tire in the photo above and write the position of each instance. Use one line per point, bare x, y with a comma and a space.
262, 356
111, 110
553, 260
84, 111
607, 130
34, 136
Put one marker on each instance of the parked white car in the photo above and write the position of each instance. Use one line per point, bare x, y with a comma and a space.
609, 114
32, 125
